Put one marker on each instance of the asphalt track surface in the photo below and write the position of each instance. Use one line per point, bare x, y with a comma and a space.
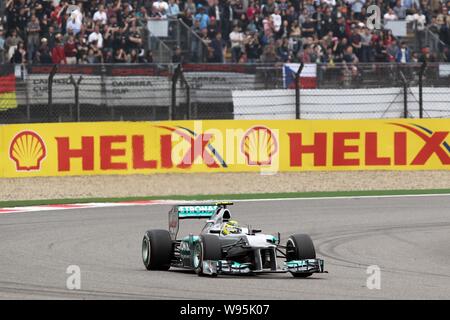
407, 237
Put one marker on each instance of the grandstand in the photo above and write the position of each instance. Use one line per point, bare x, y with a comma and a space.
238, 31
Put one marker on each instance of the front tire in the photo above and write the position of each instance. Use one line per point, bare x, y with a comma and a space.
207, 248
300, 247
157, 250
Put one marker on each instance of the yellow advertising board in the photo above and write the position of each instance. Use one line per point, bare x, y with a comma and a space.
62, 149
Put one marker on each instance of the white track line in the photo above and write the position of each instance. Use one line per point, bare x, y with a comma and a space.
345, 197
172, 202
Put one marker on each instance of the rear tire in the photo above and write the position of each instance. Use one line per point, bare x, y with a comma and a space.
300, 247
208, 248
157, 250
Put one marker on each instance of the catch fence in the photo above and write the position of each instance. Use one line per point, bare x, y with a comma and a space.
120, 92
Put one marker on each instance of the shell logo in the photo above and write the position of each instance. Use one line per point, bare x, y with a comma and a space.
259, 145
27, 150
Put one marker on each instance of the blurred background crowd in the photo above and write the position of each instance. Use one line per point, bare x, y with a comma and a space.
238, 31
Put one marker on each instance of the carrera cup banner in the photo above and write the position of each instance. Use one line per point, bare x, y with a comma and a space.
62, 149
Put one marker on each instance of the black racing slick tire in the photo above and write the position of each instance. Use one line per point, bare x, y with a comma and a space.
157, 250
212, 250
300, 247
208, 248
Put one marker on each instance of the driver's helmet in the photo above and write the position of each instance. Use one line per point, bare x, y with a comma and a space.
231, 227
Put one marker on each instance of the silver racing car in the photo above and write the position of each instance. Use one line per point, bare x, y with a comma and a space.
224, 247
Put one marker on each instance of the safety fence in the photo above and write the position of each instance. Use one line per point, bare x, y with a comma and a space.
102, 92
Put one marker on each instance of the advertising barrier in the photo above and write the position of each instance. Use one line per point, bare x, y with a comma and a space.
62, 149
134, 85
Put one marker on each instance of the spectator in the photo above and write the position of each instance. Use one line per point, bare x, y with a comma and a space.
227, 18
43, 55
356, 9
390, 15
100, 15
307, 54
403, 54
58, 55
392, 50
50, 36
96, 37
162, 6
366, 45
11, 44
400, 10
253, 47
108, 26
20, 55
70, 50
409, 4
218, 46
276, 19
381, 54
213, 28
177, 57
190, 7
237, 40
349, 56
92, 56
426, 56
308, 28
2, 47
269, 55
120, 56
33, 31
215, 10
283, 50
355, 41
329, 58
148, 57
133, 57
268, 28
173, 9
202, 17
134, 39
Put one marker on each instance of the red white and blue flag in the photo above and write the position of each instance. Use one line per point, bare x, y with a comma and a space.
308, 76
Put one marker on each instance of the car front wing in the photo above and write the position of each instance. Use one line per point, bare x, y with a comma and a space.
214, 267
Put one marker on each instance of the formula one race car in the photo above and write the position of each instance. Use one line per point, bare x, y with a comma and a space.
223, 247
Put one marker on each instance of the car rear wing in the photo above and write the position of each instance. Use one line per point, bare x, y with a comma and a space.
192, 211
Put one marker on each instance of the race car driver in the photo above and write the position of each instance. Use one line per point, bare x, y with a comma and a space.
231, 227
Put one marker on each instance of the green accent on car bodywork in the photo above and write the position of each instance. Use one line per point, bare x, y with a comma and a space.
295, 263
304, 263
197, 211
190, 239
188, 250
238, 265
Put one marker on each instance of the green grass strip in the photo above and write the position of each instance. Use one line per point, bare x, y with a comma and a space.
315, 194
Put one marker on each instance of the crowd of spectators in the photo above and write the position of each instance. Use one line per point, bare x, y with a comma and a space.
238, 31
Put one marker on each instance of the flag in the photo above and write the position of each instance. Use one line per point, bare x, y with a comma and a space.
308, 76
7, 88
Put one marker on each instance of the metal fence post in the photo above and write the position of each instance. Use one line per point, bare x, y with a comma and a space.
297, 91
405, 95
50, 90
76, 85
172, 107
188, 93
421, 72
